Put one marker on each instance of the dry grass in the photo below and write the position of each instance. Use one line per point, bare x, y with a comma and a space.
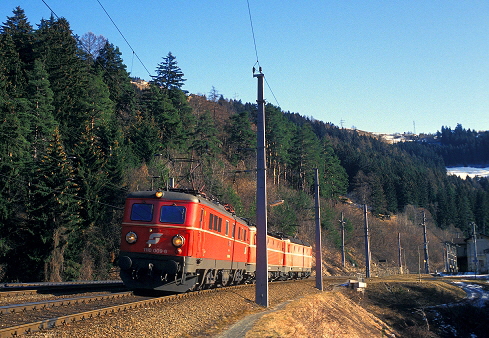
402, 301
393, 305
329, 314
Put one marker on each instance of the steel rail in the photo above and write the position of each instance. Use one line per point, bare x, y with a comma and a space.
51, 323
64, 285
59, 302
68, 319
5, 294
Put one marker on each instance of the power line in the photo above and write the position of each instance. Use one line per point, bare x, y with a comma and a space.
134, 53
253, 33
50, 8
271, 91
256, 52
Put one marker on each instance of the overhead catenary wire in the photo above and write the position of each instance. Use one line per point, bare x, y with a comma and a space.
253, 34
256, 51
134, 53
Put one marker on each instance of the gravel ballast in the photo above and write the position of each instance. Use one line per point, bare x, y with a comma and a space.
202, 314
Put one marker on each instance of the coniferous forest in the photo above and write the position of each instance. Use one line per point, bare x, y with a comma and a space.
77, 133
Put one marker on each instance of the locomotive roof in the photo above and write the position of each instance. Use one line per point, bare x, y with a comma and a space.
181, 195
294, 240
196, 197
170, 195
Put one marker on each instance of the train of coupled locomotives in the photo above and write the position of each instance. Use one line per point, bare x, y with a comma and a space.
179, 240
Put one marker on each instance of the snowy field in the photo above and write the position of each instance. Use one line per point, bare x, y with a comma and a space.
463, 172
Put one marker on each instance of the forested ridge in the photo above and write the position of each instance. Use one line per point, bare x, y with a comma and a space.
77, 133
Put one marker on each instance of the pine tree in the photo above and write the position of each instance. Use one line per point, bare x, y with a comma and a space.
144, 138
68, 76
242, 139
158, 106
14, 163
41, 97
53, 215
168, 74
334, 180
17, 48
109, 63
279, 132
305, 156
205, 142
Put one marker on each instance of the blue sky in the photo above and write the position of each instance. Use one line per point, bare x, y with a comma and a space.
381, 66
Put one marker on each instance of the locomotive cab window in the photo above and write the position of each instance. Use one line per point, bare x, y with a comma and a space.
172, 214
142, 212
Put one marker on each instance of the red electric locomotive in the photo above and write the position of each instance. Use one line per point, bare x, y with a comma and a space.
178, 240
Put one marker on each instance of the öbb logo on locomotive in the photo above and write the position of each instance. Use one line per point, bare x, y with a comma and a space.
154, 238
178, 240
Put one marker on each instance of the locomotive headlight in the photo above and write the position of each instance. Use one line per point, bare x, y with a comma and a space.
178, 241
131, 237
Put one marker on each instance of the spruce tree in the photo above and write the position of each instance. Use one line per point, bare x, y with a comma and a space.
18, 49
68, 76
53, 214
241, 138
168, 74
205, 142
305, 156
109, 63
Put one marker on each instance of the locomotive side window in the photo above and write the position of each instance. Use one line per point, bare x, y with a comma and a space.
211, 221
172, 214
227, 228
219, 225
216, 219
239, 233
142, 212
244, 235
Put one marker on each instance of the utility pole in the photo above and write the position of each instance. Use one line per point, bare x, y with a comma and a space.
319, 256
367, 243
426, 257
399, 254
476, 261
261, 289
343, 258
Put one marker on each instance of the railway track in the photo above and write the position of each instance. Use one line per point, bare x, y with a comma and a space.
43, 317
18, 319
49, 286
28, 317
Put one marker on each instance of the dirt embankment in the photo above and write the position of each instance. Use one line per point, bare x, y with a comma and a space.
329, 314
401, 306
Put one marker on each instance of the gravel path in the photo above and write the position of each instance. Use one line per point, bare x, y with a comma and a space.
239, 329
203, 315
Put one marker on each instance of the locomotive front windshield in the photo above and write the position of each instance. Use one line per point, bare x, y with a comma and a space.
172, 214
142, 212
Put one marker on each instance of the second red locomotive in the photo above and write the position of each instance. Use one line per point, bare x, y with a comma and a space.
179, 241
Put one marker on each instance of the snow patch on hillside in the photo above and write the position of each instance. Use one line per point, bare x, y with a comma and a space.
463, 172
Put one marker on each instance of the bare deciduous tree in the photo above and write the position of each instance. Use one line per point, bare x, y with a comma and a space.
92, 44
